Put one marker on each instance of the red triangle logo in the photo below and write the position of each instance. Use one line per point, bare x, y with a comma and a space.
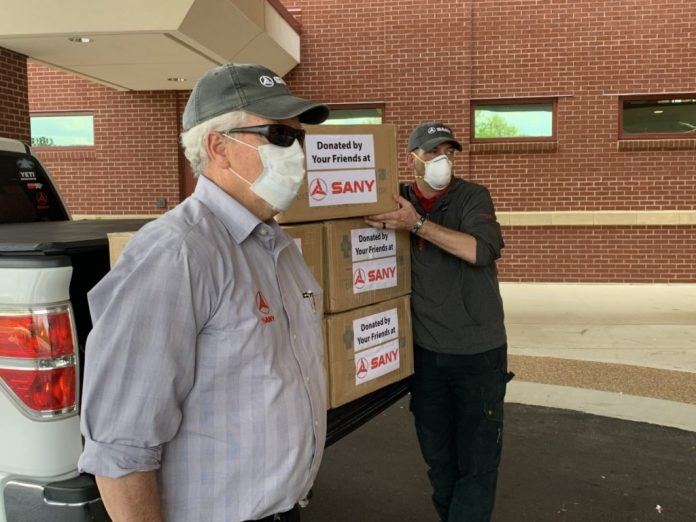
261, 304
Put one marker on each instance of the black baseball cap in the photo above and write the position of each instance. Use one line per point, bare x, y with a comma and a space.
429, 135
250, 88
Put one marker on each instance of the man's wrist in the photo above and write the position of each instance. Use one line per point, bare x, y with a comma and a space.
417, 226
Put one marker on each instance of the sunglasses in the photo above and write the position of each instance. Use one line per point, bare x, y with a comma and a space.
275, 133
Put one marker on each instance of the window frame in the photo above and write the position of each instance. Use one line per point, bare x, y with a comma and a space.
48, 114
652, 135
513, 101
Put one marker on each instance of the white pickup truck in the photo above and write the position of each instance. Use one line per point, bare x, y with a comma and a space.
48, 263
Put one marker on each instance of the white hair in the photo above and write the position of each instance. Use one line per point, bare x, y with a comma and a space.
194, 139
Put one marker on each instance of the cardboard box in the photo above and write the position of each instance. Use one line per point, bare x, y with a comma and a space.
310, 240
369, 348
117, 241
364, 265
351, 171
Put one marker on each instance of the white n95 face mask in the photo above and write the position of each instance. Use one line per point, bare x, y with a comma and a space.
282, 176
438, 171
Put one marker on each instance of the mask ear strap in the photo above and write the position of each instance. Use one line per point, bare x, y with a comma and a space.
239, 141
418, 157
240, 177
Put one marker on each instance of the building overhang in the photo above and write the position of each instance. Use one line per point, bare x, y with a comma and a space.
153, 44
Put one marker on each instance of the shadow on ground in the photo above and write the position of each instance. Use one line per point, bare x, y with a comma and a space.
558, 465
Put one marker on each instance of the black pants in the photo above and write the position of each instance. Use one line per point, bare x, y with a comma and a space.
457, 403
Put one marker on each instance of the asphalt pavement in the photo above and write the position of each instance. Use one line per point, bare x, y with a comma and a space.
558, 465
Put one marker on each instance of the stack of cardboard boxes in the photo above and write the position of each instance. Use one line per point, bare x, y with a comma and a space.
365, 273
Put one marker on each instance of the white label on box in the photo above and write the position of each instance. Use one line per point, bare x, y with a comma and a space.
375, 329
369, 243
340, 151
298, 242
375, 362
374, 275
342, 187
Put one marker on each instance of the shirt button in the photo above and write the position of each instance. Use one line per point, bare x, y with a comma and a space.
263, 231
307, 379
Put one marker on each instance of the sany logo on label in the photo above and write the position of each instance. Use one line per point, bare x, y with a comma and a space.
318, 190
359, 279
361, 368
344, 187
262, 306
374, 274
375, 362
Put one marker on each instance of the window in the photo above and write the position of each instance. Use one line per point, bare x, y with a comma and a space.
62, 130
352, 114
513, 120
659, 116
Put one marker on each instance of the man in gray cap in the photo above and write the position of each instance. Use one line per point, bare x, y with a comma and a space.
460, 350
204, 391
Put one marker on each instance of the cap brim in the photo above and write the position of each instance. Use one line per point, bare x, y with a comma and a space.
431, 144
284, 107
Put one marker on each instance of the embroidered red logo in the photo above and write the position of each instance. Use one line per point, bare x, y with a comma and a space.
359, 278
317, 189
263, 307
361, 369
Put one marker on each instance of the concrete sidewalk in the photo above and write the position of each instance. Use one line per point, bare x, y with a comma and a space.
625, 351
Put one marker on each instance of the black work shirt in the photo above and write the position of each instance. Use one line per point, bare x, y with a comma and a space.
457, 307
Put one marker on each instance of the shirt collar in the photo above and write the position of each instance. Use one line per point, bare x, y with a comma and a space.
236, 218
427, 203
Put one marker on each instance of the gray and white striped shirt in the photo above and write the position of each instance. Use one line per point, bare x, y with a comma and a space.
205, 363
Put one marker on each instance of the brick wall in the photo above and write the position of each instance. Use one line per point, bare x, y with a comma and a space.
428, 61
135, 157
398, 52
587, 52
14, 108
607, 254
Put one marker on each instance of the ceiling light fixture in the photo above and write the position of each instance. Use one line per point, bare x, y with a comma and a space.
176, 79
658, 112
80, 39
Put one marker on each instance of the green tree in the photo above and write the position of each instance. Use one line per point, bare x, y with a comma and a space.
494, 126
41, 141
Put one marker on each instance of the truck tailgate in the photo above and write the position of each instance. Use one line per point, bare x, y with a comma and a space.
57, 237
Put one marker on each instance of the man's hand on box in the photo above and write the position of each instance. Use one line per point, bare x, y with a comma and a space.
402, 219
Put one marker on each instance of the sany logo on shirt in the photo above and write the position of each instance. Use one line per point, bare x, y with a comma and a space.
264, 309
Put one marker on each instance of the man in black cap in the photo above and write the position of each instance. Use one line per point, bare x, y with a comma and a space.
204, 392
460, 345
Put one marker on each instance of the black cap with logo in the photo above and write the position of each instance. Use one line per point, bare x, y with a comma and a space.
429, 135
250, 88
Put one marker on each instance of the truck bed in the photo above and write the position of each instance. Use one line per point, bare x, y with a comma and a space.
86, 243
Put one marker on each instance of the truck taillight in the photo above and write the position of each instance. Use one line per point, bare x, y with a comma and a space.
36, 336
38, 360
42, 390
